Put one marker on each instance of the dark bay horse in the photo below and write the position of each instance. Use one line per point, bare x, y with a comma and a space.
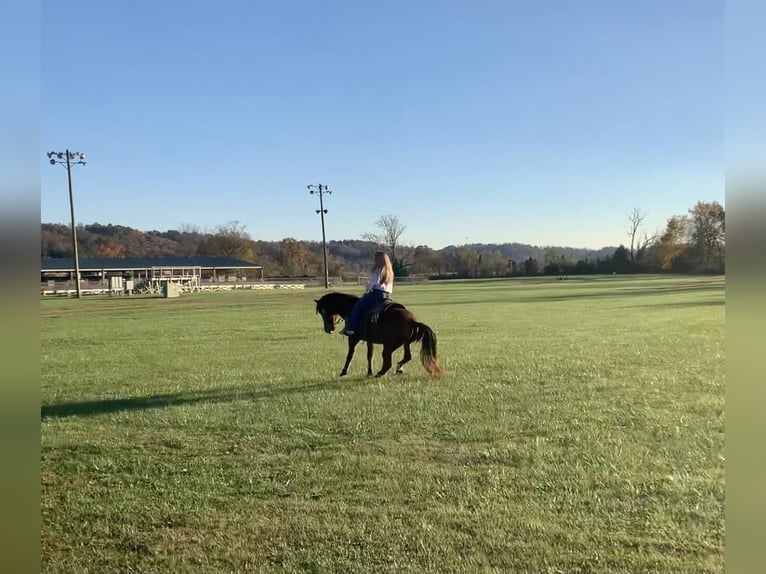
395, 327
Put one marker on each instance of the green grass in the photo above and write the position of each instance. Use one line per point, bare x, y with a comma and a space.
580, 428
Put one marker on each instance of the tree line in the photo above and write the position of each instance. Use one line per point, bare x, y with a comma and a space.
690, 243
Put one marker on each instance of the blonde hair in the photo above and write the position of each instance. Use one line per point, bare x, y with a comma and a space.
383, 261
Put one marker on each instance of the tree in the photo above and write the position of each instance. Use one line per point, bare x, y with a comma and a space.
635, 218
55, 240
553, 261
391, 230
672, 244
425, 260
467, 262
621, 260
293, 256
530, 266
708, 235
110, 249
492, 264
584, 267
643, 247
230, 240
558, 261
189, 238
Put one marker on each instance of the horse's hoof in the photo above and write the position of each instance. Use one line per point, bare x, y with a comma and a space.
342, 375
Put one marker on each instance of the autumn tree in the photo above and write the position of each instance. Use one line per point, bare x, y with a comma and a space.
672, 243
55, 240
707, 230
110, 249
229, 240
293, 256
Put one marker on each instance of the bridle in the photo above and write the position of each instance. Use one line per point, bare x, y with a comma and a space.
333, 320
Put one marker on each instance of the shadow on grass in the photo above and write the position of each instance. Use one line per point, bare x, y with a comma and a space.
579, 294
631, 292
108, 406
676, 305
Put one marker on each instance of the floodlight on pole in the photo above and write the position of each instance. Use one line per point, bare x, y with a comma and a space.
68, 159
320, 190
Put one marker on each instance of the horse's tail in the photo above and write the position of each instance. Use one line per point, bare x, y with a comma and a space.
427, 338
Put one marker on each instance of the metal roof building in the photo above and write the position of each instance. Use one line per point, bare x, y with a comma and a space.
148, 274
51, 265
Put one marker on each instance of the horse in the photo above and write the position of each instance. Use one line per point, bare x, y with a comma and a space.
395, 327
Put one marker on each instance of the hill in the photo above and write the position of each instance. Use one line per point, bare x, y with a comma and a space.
288, 256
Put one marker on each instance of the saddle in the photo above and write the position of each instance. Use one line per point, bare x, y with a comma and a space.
372, 317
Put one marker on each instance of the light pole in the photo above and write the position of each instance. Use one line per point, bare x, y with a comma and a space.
69, 158
320, 190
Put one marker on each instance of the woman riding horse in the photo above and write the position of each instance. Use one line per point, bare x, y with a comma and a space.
396, 327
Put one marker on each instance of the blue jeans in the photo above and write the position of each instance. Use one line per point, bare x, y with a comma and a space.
367, 302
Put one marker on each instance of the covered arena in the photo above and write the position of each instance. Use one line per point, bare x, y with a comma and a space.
149, 275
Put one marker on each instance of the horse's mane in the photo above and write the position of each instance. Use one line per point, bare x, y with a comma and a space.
337, 302
336, 297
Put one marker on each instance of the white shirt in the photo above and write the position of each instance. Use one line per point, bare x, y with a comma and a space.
374, 282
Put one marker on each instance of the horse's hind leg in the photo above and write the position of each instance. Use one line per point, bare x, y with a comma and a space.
405, 359
369, 359
351, 344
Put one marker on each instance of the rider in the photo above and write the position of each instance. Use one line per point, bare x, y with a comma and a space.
379, 288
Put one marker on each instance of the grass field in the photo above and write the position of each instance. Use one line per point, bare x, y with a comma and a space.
580, 428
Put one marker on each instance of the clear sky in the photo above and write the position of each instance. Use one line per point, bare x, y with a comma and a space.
540, 122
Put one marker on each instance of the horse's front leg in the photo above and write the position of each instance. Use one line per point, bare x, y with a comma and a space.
352, 341
369, 359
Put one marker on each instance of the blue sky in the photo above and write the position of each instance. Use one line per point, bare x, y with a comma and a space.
494, 121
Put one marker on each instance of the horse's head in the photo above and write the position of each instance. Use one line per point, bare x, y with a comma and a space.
329, 316
333, 307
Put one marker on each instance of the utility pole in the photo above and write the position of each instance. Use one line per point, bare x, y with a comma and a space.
320, 190
70, 158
